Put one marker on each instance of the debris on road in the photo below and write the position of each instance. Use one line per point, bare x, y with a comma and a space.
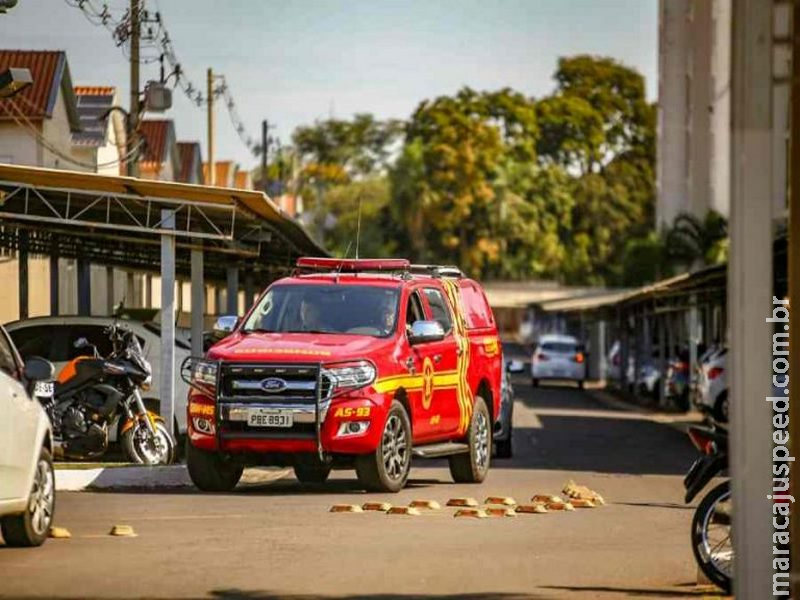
122, 531
59, 533
403, 510
376, 506
545, 499
581, 492
475, 513
346, 508
464, 502
426, 504
535, 508
501, 512
581, 503
502, 500
559, 506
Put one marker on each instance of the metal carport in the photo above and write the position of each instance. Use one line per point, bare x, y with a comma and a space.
156, 226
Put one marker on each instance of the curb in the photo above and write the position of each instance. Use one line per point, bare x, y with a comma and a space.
132, 477
679, 422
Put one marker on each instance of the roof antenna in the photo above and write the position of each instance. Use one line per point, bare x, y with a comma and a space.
341, 264
358, 225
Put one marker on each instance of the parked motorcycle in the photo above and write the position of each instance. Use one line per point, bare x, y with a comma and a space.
92, 394
712, 541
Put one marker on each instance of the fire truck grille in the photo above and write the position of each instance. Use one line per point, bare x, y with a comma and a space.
272, 383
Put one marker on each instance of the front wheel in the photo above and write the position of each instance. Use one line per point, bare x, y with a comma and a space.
472, 467
310, 469
386, 469
712, 542
142, 448
32, 526
211, 471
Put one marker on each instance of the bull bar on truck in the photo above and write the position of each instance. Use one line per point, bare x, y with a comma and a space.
227, 405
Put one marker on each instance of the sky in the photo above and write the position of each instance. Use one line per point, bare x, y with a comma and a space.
293, 62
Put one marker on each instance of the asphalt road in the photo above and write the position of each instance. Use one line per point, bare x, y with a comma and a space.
278, 540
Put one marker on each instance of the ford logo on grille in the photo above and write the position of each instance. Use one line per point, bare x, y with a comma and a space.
273, 385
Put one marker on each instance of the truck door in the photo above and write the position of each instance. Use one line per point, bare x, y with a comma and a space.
442, 406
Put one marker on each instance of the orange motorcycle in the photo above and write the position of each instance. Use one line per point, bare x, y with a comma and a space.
91, 393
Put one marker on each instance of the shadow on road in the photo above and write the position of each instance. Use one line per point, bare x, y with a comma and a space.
258, 595
592, 591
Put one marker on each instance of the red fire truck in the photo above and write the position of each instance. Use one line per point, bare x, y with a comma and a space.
350, 364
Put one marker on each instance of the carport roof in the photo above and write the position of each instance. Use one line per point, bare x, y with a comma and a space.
118, 220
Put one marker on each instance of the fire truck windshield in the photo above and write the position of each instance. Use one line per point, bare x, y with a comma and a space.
342, 309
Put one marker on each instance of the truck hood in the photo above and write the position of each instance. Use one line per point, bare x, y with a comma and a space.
298, 347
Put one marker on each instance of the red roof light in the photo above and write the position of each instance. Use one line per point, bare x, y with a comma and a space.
354, 264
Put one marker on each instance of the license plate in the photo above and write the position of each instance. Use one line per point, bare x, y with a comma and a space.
44, 389
270, 418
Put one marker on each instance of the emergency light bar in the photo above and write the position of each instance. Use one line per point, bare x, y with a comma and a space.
351, 265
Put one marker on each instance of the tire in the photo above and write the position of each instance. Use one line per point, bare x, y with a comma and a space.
581, 384
715, 574
535, 382
503, 448
386, 469
32, 527
211, 471
139, 450
473, 466
310, 469
721, 408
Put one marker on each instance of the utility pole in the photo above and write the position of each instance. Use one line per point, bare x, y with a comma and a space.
133, 114
210, 100
264, 153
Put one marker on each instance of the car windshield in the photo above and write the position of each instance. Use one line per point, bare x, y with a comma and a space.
309, 308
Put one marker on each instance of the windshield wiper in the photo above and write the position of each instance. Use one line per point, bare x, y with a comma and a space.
258, 330
309, 331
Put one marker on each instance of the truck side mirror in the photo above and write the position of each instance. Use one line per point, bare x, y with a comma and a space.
225, 324
425, 331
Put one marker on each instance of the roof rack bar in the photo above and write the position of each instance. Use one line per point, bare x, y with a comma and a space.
438, 270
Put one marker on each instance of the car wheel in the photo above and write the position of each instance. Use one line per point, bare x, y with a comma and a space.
472, 466
32, 526
581, 384
503, 449
535, 382
386, 469
211, 471
721, 408
310, 469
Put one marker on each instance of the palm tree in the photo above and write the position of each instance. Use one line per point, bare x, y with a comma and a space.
694, 242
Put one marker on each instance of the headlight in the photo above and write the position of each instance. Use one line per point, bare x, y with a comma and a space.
204, 373
346, 377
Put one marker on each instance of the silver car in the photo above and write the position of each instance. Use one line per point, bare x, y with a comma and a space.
558, 357
53, 338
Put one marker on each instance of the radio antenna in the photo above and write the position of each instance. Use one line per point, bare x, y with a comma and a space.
358, 225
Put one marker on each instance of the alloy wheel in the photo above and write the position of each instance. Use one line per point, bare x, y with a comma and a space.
395, 448
481, 440
42, 498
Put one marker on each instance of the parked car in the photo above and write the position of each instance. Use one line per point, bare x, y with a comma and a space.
351, 364
27, 480
53, 339
712, 385
558, 357
504, 428
516, 357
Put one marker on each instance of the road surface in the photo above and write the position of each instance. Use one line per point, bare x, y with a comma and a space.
278, 540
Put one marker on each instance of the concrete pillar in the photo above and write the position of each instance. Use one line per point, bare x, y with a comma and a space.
673, 57
130, 290
720, 108
84, 274
232, 295
22, 261
148, 290
662, 358
167, 383
109, 290
249, 291
54, 279
749, 297
597, 354
198, 302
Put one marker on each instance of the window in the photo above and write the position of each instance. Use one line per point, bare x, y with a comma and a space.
477, 312
559, 347
439, 308
8, 363
414, 310
47, 341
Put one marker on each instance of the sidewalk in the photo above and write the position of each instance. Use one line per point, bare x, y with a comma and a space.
77, 477
622, 401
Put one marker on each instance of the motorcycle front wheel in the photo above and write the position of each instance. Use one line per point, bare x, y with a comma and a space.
712, 541
142, 448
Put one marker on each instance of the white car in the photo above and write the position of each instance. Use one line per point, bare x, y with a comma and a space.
27, 480
558, 357
712, 385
